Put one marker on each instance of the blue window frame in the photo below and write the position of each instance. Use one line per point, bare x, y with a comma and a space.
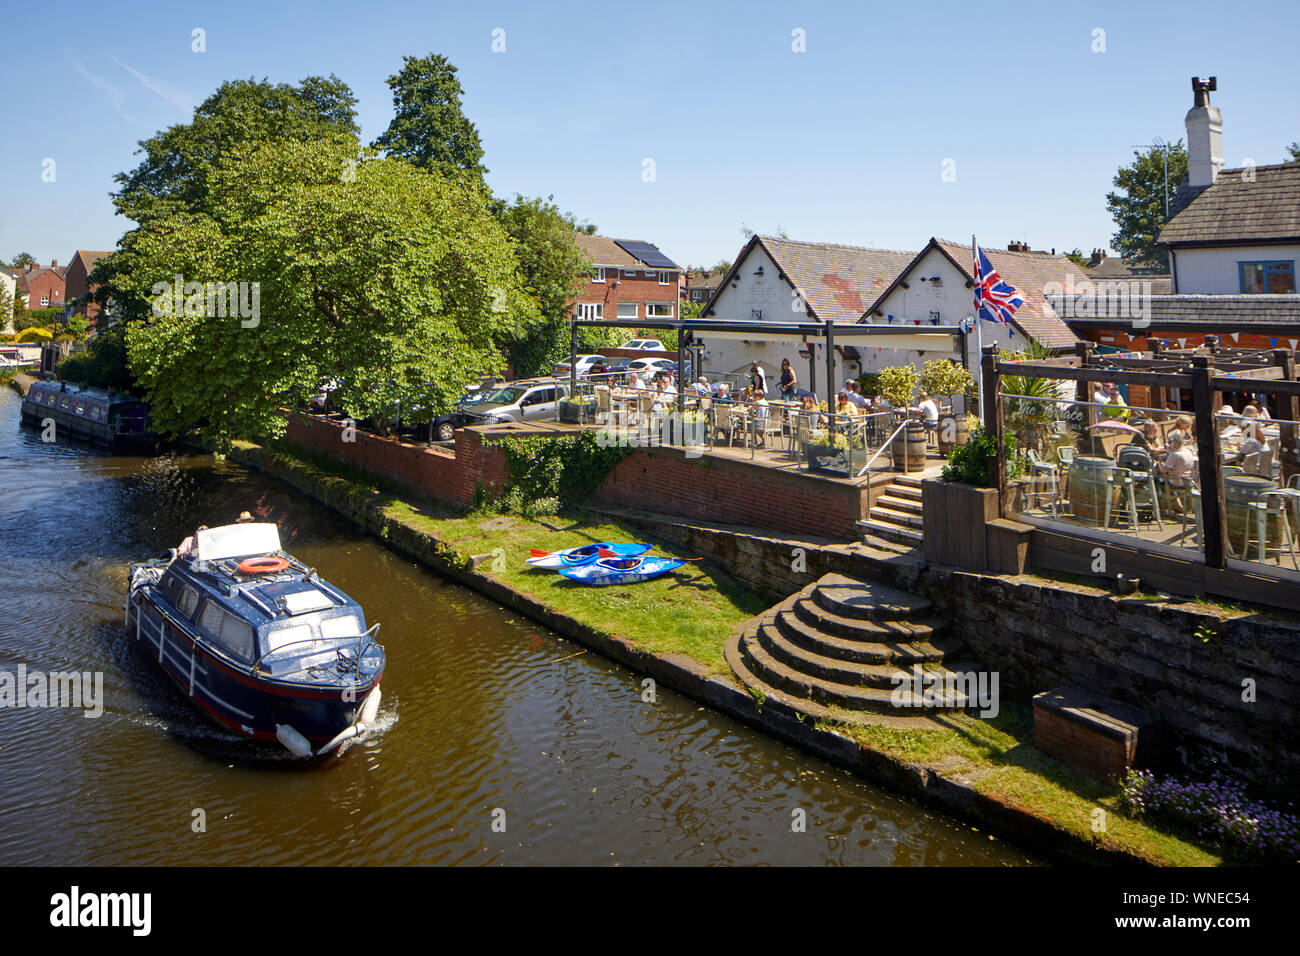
1276, 276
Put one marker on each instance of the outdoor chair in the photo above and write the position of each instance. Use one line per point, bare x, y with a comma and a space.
602, 403
772, 424
1233, 470
1141, 470
1121, 478
1270, 504
1046, 472
800, 438
1188, 494
1065, 455
725, 421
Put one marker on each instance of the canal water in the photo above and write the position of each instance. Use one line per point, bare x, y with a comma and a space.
486, 718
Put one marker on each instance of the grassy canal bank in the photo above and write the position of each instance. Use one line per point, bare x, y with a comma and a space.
674, 629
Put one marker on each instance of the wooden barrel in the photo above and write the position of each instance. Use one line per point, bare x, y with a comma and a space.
953, 430
1238, 493
909, 448
1089, 488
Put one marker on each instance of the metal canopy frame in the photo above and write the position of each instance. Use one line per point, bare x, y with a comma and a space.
686, 329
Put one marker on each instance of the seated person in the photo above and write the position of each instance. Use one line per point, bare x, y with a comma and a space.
1179, 463
812, 415
722, 394
702, 388
1150, 437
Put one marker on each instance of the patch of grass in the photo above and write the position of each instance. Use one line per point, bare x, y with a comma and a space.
997, 758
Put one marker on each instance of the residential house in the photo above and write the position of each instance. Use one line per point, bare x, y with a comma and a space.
936, 287
629, 279
79, 286
701, 285
9, 295
1102, 267
43, 287
783, 281
1234, 242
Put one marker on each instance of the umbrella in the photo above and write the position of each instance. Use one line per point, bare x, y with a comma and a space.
1114, 424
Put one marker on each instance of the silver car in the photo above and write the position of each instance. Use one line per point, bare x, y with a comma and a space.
524, 401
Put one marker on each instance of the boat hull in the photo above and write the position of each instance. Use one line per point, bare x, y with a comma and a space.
234, 697
576, 557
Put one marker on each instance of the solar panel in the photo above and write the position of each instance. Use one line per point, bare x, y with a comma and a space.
646, 253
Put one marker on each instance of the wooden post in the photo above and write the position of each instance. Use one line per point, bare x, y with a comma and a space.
1083, 390
1157, 393
681, 370
991, 403
812, 367
830, 376
1288, 410
573, 357
1213, 515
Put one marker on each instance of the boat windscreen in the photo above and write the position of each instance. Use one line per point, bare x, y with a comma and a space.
237, 541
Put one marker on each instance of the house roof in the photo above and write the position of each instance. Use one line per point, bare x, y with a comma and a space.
1254, 204
25, 277
1029, 272
836, 281
604, 251
711, 280
1116, 267
89, 257
1193, 313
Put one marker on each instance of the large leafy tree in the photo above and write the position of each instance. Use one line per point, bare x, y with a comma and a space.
1293, 150
551, 265
1139, 211
396, 281
21, 260
429, 128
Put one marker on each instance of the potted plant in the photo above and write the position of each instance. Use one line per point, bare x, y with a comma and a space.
578, 409
827, 453
943, 377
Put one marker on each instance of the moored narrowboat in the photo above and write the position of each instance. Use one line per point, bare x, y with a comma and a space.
113, 420
257, 640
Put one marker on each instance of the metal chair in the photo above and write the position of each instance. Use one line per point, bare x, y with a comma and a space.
1272, 503
1142, 472
1121, 477
1047, 472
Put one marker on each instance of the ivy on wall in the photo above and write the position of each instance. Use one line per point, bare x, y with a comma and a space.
547, 474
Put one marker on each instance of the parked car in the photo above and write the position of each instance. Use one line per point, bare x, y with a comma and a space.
522, 401
609, 371
585, 363
652, 365
644, 345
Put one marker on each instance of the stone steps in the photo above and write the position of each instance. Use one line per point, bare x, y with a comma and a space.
847, 650
889, 531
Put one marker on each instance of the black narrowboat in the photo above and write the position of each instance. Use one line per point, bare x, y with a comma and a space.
113, 420
261, 644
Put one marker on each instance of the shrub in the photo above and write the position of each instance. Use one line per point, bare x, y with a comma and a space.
869, 382
898, 384
942, 377
34, 334
972, 463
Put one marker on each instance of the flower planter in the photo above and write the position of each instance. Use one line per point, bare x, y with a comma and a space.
827, 459
956, 516
572, 413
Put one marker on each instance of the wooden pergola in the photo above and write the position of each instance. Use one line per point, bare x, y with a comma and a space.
1208, 372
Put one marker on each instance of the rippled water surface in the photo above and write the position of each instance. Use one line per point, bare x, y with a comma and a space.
480, 715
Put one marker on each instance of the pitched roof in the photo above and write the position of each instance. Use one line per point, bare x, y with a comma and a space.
1117, 267
1029, 272
836, 281
604, 251
89, 257
1244, 205
1207, 313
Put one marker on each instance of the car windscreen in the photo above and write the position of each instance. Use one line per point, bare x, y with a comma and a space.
504, 396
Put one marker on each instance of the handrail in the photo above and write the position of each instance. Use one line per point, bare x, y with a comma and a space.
885, 444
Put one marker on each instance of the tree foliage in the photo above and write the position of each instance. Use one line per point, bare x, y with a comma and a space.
21, 260
102, 364
942, 377
898, 384
429, 128
1293, 150
392, 280
1139, 211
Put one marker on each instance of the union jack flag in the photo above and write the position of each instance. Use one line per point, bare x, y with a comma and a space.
995, 300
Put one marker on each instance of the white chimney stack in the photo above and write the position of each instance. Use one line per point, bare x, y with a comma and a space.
1204, 135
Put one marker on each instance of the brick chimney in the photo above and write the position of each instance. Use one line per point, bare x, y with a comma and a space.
54, 263
1204, 135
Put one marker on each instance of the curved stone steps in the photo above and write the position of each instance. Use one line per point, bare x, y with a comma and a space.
827, 667
863, 630
801, 707
901, 651
829, 693
863, 600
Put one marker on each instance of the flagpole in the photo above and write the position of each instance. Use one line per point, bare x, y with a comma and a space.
979, 336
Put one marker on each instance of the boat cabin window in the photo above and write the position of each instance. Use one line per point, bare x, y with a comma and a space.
188, 601
230, 633
345, 625
284, 636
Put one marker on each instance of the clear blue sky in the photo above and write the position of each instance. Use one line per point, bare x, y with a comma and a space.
842, 143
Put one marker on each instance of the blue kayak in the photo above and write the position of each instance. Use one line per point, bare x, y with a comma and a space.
576, 557
622, 570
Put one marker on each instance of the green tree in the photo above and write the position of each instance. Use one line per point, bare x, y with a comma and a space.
21, 260
1293, 150
551, 266
1139, 211
429, 128
1077, 257
394, 280
172, 177
102, 364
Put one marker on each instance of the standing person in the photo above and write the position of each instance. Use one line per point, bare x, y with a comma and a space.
757, 378
788, 382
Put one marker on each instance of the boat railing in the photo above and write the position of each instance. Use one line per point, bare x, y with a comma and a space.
321, 645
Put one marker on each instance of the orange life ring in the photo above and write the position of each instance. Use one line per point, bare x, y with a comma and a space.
265, 565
